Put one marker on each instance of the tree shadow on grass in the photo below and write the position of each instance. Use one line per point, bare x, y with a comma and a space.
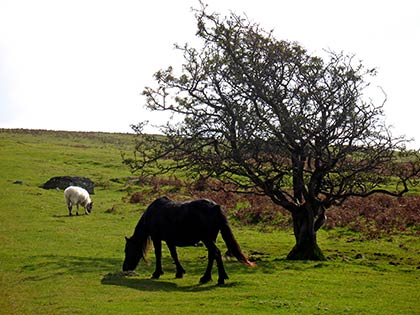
50, 266
47, 267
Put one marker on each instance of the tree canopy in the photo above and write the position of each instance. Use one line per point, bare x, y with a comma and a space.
268, 117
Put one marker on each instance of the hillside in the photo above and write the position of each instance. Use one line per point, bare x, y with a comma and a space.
51, 263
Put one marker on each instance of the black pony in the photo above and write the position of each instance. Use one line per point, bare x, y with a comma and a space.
182, 224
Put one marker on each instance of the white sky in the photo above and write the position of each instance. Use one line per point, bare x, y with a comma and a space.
82, 64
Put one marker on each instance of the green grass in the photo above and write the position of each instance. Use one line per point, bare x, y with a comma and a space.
54, 264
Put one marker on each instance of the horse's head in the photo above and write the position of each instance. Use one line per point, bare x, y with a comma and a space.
89, 207
133, 254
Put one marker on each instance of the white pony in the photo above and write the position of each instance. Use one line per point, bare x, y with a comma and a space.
77, 196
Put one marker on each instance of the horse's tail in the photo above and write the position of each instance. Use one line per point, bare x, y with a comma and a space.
231, 243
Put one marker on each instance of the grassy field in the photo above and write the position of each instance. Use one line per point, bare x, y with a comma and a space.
51, 263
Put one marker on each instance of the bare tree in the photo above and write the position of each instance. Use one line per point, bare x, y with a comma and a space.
269, 118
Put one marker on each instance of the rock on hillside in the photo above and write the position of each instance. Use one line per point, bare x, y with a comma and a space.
62, 182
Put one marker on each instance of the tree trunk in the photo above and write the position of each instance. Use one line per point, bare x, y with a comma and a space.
306, 247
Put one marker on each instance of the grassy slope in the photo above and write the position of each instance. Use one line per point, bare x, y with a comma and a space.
54, 264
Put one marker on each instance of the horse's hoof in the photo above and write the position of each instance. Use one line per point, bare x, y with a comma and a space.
205, 280
156, 275
222, 279
180, 274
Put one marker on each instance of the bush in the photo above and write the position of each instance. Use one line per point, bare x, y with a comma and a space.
376, 215
373, 216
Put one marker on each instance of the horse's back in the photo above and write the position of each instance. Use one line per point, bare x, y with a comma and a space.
184, 223
165, 207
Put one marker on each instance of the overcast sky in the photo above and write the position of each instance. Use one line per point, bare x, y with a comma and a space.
82, 64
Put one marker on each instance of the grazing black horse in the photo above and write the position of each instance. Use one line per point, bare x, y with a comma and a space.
182, 224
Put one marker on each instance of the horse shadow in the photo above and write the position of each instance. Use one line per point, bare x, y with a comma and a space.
144, 282
195, 268
59, 216
152, 285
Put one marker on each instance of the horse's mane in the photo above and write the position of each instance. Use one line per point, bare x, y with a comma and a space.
141, 235
145, 245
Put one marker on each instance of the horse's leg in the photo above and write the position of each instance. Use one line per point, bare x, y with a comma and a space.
211, 254
220, 268
179, 270
158, 254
